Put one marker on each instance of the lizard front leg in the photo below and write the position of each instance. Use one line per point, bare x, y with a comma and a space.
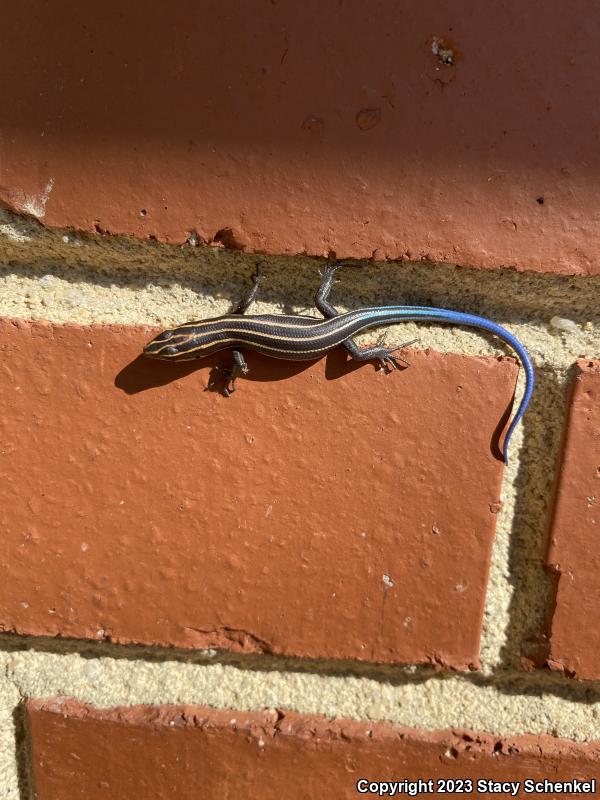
247, 301
239, 362
239, 368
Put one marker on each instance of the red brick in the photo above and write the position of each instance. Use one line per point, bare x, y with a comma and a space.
324, 510
308, 128
191, 752
574, 555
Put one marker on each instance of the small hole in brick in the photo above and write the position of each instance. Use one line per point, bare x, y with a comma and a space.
540, 200
227, 237
143, 212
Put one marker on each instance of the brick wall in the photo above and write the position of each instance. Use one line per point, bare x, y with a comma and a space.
329, 579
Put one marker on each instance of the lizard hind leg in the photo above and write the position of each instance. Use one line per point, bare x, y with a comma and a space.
324, 290
385, 355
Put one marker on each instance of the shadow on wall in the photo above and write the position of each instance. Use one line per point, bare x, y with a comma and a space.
462, 132
283, 78
144, 373
509, 682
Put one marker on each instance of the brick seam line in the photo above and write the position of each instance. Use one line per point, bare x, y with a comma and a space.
65, 295
25, 242
555, 351
433, 704
53, 292
51, 289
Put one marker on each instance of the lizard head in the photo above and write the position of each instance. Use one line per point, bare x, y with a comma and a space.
170, 346
184, 343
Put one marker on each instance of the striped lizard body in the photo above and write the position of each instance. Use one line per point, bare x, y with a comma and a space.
304, 338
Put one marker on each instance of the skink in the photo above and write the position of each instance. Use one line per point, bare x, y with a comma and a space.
305, 338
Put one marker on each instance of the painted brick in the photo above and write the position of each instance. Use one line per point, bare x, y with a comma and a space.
324, 510
573, 554
190, 752
458, 132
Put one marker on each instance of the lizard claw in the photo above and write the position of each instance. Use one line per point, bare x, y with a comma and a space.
223, 382
388, 360
330, 269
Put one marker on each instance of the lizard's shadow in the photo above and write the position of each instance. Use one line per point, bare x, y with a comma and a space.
144, 373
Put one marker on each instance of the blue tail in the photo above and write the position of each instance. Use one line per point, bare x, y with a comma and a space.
424, 314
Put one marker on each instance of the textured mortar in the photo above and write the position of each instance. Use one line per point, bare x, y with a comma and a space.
108, 280
428, 702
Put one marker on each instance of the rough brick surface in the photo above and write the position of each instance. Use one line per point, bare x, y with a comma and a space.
190, 752
573, 552
324, 510
459, 132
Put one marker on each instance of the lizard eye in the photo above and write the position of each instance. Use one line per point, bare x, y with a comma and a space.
170, 351
164, 336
